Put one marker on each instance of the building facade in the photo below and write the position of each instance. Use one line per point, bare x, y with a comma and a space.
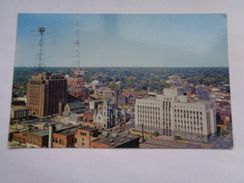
105, 116
174, 115
19, 112
84, 135
64, 138
76, 107
37, 139
46, 94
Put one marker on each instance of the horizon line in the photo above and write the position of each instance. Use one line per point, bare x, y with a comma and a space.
126, 66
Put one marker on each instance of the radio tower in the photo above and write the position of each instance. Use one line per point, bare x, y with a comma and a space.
41, 64
75, 82
77, 49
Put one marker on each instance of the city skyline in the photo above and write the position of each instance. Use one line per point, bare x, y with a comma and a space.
113, 107
122, 40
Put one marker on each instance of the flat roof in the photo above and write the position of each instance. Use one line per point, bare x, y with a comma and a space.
115, 139
19, 107
87, 128
40, 133
66, 131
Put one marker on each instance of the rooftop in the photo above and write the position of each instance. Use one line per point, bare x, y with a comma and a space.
67, 132
18, 127
134, 93
87, 128
18, 107
115, 139
75, 105
40, 133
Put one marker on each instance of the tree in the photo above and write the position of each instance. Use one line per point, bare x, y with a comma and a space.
156, 134
114, 85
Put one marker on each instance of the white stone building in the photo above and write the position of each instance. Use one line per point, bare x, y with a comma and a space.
173, 115
105, 116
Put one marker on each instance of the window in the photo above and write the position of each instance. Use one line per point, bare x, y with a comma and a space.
82, 134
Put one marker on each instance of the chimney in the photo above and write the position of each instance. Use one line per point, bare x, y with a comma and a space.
50, 135
60, 108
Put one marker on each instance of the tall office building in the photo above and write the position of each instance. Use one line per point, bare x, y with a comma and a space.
46, 94
174, 115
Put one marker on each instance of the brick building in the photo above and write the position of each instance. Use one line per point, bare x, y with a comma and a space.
64, 138
37, 138
20, 137
116, 140
46, 94
84, 136
88, 116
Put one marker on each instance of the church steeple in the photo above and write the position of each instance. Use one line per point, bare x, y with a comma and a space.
105, 103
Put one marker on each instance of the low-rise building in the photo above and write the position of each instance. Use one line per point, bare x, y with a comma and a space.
37, 139
76, 107
84, 135
64, 138
104, 92
20, 137
19, 112
115, 140
129, 96
88, 116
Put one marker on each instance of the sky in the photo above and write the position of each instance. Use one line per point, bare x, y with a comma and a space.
123, 40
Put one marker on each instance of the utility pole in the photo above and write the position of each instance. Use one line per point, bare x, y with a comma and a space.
142, 132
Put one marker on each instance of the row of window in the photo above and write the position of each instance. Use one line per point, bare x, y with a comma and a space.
188, 117
187, 128
188, 122
154, 123
145, 117
62, 142
148, 108
187, 106
188, 111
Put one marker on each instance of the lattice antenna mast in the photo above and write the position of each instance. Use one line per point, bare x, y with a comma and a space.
41, 64
77, 47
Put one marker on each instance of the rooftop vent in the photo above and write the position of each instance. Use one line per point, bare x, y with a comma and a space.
105, 133
114, 135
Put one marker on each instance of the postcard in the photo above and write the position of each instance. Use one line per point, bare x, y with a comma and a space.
151, 81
